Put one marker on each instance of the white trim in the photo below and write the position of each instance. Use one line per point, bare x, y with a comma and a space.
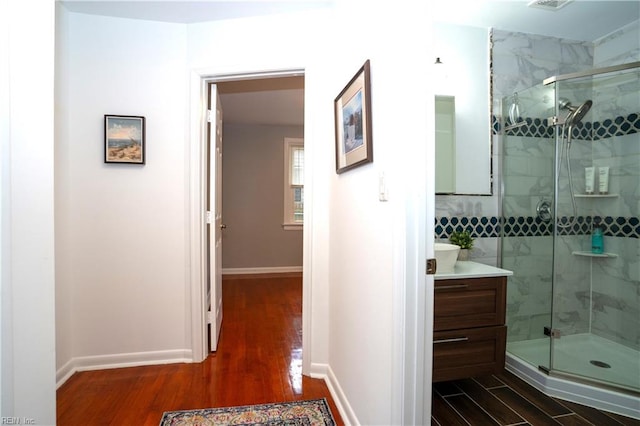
195, 243
135, 359
195, 289
293, 227
262, 270
323, 371
288, 210
591, 396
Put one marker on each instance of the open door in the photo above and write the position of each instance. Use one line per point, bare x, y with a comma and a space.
214, 218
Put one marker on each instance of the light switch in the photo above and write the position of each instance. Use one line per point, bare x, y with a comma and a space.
383, 192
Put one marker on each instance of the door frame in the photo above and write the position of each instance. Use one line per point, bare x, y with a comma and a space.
196, 297
413, 300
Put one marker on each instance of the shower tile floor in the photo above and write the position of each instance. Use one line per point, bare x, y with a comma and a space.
573, 354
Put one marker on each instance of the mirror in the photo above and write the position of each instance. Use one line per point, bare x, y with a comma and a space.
463, 156
445, 144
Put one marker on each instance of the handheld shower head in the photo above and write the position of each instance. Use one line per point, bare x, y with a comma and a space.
577, 114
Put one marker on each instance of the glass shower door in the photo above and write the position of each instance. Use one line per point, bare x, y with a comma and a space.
595, 320
527, 238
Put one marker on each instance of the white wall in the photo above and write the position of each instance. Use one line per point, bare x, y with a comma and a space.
355, 239
120, 229
288, 42
122, 255
5, 188
366, 234
27, 314
62, 204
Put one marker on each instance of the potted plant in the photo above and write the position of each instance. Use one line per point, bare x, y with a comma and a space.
464, 240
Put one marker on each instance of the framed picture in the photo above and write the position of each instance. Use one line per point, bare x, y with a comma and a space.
354, 146
124, 139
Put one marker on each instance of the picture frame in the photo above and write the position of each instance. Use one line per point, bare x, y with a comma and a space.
352, 108
124, 139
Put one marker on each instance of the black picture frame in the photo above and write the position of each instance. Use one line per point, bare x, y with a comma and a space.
124, 139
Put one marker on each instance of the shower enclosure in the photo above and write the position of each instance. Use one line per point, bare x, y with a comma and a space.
573, 313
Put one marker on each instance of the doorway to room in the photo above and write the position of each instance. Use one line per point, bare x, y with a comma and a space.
257, 114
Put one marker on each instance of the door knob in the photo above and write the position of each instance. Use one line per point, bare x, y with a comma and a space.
223, 226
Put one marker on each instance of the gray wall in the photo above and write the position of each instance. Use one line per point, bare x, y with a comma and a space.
252, 200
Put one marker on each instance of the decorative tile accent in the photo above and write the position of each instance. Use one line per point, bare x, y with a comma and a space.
526, 227
540, 128
621, 226
616, 127
496, 128
534, 128
529, 226
478, 227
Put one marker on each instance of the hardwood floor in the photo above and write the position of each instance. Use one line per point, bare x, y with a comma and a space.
504, 399
259, 360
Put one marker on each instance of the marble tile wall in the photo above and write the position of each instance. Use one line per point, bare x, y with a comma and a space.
521, 62
523, 168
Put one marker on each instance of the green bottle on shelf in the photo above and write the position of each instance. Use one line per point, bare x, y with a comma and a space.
597, 240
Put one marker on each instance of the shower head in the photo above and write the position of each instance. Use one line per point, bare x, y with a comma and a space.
577, 113
565, 103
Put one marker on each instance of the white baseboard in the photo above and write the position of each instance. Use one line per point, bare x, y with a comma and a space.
136, 359
104, 362
323, 371
261, 270
591, 396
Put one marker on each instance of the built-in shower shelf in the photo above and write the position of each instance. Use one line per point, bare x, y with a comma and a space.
589, 254
597, 195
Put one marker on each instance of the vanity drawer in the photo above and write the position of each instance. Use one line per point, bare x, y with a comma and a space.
470, 352
472, 302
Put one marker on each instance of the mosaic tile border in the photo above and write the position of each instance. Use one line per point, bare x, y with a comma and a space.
529, 226
478, 227
539, 128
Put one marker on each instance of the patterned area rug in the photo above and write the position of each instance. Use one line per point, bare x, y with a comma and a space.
297, 413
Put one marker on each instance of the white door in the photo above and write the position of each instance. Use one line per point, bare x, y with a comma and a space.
214, 218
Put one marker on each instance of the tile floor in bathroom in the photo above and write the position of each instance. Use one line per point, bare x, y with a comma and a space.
504, 399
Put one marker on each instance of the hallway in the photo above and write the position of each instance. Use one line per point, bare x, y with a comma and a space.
259, 360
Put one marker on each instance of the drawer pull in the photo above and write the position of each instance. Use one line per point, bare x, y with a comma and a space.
448, 287
452, 340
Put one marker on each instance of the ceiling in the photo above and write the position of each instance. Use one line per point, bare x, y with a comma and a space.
280, 100
585, 20
190, 11
272, 101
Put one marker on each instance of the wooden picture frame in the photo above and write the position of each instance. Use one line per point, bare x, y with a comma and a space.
352, 107
124, 139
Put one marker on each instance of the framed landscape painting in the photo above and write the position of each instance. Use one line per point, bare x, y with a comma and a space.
124, 139
352, 107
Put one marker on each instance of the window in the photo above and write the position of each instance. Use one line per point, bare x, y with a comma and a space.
293, 183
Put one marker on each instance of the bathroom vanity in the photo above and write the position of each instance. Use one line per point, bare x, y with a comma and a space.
469, 331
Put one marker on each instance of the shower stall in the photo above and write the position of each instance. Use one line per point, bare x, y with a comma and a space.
571, 168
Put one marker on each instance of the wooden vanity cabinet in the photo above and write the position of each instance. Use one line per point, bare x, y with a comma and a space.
469, 334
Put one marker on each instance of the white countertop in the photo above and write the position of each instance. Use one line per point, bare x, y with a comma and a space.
470, 269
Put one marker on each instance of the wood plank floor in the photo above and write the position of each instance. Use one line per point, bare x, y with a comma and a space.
504, 399
259, 360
